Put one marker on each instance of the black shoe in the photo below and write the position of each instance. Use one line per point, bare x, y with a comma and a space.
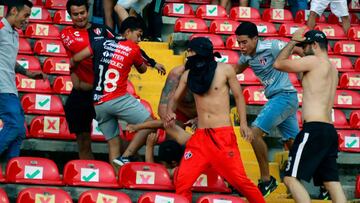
267, 187
324, 194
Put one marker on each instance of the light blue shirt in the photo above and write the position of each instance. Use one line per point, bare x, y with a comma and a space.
273, 80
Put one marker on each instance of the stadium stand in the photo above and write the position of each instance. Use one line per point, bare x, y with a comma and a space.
34, 195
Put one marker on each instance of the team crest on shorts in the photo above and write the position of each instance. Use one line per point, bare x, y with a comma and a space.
97, 31
262, 60
187, 155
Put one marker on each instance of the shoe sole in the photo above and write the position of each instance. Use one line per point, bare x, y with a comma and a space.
117, 162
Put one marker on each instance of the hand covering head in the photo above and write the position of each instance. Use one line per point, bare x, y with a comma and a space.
202, 65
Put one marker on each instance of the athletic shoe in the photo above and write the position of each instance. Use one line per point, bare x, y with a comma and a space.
324, 194
120, 161
267, 187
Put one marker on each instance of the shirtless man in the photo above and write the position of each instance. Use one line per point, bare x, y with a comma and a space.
214, 142
318, 135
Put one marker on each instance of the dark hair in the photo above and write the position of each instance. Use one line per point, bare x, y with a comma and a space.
170, 151
132, 23
18, 4
323, 45
76, 3
247, 28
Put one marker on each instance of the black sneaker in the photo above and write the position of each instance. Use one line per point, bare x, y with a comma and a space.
324, 194
120, 161
267, 187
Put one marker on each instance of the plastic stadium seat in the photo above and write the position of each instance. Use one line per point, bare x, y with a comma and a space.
232, 43
208, 181
198, 1
42, 31
104, 196
90, 173
31, 63
277, 15
219, 198
284, 39
226, 27
42, 195
215, 39
3, 196
50, 127
339, 119
56, 65
347, 99
96, 134
20, 32
245, 14
341, 63
355, 119
357, 65
350, 80
153, 197
127, 136
299, 94
354, 5
266, 29
178, 10
147, 106
299, 118
332, 31
24, 46
26, 84
130, 88
330, 51
354, 33
42, 104
228, 56
190, 25
254, 95
37, 2
39, 15
288, 29
62, 17
347, 48
62, 85
333, 19
32, 170
49, 48
302, 16
349, 140
141, 175
211, 12
248, 77
294, 79
55, 4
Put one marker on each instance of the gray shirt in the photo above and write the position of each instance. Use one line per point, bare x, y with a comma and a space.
9, 46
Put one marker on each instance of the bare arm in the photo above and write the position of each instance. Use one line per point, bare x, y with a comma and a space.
150, 143
33, 75
83, 54
239, 68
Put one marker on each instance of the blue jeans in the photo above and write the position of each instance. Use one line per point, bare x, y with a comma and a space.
13, 131
280, 111
296, 5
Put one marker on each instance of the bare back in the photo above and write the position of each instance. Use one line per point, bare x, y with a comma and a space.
319, 86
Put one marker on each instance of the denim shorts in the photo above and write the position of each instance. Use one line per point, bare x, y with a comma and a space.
280, 111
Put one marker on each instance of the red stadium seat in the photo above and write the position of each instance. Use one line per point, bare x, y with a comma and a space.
96, 134
254, 95
299, 94
48, 195
350, 80
32, 170
50, 127
347, 99
62, 85
31, 63
39, 15
299, 118
20, 32
49, 48
90, 173
357, 187
357, 65
208, 181
141, 175
339, 119
42, 31
232, 43
147, 106
42, 104
24, 46
127, 136
349, 140
3, 196
104, 196
277, 15
288, 29
341, 63
294, 79
228, 56
355, 119
226, 27
219, 198
354, 33
26, 84
56, 65
215, 39
245, 14
55, 4
62, 17
211, 12
178, 10
302, 16
266, 29
198, 1
37, 2
248, 77
354, 5
153, 197
332, 31
351, 48
333, 19
195, 25
131, 89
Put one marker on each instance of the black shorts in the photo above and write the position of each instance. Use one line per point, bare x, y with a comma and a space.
314, 154
79, 111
